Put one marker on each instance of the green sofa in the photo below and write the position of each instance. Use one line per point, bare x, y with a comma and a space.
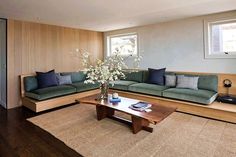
134, 82
137, 82
77, 86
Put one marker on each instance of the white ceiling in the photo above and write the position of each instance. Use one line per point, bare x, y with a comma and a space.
106, 15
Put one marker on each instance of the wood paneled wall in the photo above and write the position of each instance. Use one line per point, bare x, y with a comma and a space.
40, 47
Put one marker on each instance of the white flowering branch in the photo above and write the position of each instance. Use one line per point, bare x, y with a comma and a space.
111, 69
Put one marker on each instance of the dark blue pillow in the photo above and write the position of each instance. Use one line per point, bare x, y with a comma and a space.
47, 79
156, 76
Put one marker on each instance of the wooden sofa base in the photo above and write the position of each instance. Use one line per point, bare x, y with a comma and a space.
216, 110
38, 106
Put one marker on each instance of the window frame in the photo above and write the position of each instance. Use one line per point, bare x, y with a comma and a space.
208, 23
109, 37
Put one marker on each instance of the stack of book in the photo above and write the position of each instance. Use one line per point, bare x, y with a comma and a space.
141, 106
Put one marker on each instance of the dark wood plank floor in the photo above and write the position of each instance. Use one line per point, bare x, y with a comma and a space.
18, 137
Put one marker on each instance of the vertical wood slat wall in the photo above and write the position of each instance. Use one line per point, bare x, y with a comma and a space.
40, 47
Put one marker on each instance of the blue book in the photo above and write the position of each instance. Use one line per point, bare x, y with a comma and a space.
115, 100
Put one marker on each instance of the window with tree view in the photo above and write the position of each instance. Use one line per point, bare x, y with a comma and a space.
222, 38
125, 44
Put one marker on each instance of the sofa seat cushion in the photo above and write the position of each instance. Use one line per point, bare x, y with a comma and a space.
200, 96
81, 86
50, 92
121, 84
146, 88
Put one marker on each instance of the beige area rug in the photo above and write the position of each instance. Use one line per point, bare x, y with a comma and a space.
180, 135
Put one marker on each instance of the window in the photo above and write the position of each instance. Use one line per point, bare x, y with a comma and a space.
126, 44
220, 39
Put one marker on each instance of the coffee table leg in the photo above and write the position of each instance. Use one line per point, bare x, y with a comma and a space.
103, 112
139, 124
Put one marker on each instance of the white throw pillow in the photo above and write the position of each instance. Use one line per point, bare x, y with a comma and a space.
190, 82
170, 80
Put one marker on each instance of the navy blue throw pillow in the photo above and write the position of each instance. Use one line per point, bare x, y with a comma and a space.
156, 76
47, 79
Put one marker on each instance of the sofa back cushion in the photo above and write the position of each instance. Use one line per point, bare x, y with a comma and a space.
208, 82
145, 75
30, 83
76, 76
136, 76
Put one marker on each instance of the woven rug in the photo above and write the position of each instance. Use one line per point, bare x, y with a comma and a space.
179, 135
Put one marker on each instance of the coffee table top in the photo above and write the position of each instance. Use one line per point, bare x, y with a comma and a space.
158, 113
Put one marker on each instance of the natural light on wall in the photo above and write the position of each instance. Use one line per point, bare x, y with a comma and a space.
126, 44
220, 39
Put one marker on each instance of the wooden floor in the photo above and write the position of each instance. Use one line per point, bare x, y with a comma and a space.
18, 137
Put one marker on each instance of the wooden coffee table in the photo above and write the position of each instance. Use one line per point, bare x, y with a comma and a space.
139, 120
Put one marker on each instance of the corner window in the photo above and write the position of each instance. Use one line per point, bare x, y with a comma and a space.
126, 44
220, 38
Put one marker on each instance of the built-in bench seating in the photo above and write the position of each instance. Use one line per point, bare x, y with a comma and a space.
46, 98
199, 102
77, 86
137, 82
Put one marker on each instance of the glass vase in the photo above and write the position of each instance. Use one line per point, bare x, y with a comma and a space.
104, 87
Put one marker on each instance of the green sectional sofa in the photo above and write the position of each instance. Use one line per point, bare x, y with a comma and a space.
77, 86
46, 98
137, 82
